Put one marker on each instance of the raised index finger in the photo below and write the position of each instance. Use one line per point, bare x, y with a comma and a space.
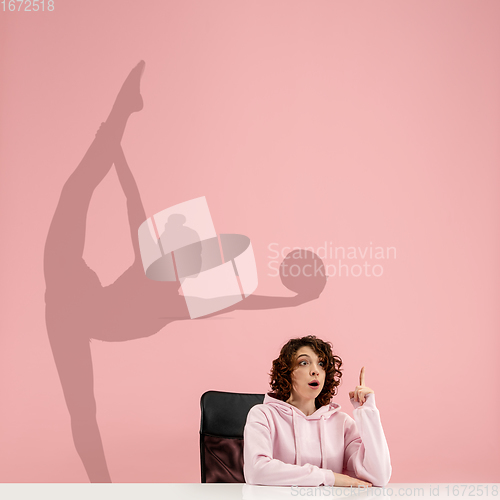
362, 376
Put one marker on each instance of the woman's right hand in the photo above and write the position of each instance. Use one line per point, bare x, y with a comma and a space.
344, 480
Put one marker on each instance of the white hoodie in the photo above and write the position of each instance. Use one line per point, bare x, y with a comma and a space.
283, 446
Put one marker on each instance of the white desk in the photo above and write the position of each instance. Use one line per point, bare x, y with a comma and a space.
192, 491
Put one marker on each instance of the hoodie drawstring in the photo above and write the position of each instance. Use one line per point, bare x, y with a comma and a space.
324, 413
322, 441
322, 433
296, 439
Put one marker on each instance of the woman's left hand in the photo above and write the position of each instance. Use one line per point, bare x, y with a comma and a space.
359, 394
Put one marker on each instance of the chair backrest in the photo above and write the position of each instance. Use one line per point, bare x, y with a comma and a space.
223, 418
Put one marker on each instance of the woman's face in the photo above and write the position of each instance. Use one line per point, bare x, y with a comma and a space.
308, 375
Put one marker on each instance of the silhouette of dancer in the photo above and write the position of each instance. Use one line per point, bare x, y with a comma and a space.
79, 308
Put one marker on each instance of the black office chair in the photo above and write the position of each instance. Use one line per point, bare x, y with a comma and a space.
223, 418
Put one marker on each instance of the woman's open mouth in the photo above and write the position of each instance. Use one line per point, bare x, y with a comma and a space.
314, 384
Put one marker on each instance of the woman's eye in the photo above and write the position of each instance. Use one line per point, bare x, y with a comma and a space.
303, 363
321, 363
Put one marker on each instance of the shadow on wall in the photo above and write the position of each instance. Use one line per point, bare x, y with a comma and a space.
79, 308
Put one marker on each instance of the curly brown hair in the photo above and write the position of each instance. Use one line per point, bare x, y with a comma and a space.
281, 372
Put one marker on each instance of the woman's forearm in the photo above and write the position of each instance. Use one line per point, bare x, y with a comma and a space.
368, 453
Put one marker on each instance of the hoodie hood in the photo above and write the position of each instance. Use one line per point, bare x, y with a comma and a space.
289, 411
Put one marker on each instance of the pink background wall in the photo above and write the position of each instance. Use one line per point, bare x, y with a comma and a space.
302, 123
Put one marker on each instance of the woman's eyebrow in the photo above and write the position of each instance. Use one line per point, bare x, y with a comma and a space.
303, 355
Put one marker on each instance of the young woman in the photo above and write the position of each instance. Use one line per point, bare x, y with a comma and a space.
298, 437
